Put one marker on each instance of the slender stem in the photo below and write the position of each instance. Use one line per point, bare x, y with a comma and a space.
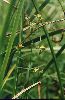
61, 5
54, 58
24, 90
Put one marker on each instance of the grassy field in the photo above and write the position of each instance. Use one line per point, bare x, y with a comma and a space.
32, 43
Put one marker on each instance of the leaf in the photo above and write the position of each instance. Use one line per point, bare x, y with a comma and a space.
11, 40
8, 75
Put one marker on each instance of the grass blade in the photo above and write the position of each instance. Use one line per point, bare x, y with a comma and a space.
54, 57
8, 75
9, 47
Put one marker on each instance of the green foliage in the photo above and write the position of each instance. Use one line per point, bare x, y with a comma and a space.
28, 53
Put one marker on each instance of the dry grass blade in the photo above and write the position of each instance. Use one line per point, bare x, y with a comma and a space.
6, 1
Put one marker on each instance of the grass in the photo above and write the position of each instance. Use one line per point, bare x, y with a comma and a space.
19, 69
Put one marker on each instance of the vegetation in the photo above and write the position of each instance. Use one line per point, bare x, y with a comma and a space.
32, 55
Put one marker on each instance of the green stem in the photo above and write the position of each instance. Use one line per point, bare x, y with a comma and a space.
54, 58
53, 55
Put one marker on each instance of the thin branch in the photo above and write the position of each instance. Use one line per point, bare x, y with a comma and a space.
24, 90
44, 24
